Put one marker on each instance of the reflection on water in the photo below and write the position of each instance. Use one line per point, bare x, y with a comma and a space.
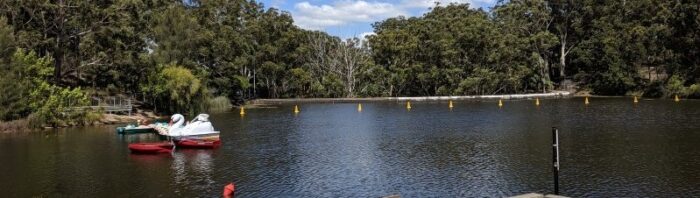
610, 148
193, 167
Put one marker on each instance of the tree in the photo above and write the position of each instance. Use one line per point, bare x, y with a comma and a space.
566, 25
530, 21
176, 90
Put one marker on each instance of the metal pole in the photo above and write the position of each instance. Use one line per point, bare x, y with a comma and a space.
129, 106
555, 158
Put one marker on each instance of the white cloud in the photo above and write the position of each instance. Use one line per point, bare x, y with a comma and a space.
343, 12
431, 3
366, 34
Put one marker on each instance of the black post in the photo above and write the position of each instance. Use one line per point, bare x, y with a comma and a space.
555, 158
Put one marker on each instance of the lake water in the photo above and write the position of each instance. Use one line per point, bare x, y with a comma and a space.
609, 148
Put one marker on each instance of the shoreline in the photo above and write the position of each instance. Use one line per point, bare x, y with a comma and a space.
22, 125
555, 94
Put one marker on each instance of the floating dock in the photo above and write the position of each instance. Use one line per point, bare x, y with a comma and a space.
535, 195
556, 94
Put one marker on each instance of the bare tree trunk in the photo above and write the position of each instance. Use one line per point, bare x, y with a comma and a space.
340, 58
562, 58
58, 51
544, 72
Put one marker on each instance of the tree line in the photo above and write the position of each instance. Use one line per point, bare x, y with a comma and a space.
175, 56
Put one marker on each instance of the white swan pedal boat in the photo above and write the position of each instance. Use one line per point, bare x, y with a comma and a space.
198, 133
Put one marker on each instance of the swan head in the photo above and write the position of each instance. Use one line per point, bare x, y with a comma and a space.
177, 118
203, 117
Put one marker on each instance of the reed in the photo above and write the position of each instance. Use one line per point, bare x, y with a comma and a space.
221, 103
14, 126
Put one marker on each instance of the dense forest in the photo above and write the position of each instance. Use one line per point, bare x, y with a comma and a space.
178, 56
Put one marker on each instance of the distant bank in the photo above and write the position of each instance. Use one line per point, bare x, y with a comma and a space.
555, 94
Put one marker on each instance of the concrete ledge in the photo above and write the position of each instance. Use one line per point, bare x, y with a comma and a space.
556, 94
536, 195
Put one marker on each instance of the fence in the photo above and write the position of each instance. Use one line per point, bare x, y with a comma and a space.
111, 105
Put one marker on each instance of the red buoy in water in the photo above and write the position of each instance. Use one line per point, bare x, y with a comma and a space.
228, 190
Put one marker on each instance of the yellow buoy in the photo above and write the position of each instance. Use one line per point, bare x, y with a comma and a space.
408, 105
359, 107
537, 101
586, 101
451, 105
500, 103
242, 111
636, 100
296, 108
677, 99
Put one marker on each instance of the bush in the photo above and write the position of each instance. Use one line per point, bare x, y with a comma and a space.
674, 86
58, 106
693, 91
221, 103
612, 83
654, 90
176, 90
32, 94
12, 100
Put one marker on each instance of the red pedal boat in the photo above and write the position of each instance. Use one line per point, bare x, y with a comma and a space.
198, 144
151, 148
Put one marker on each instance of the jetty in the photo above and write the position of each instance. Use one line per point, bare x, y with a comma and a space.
537, 195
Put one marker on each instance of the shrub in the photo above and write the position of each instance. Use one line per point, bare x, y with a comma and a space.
176, 90
48, 104
654, 90
221, 103
693, 91
674, 86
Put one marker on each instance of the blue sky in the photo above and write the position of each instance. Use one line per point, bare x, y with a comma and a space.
348, 18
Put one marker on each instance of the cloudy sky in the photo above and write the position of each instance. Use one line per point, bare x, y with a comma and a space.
348, 18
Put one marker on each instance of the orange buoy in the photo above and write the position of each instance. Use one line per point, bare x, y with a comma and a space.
229, 190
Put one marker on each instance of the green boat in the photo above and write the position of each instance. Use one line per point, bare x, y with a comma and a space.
131, 129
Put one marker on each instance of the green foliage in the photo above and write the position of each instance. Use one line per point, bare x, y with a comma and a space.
674, 86
693, 91
219, 103
176, 90
7, 38
56, 106
483, 82
176, 54
30, 91
12, 100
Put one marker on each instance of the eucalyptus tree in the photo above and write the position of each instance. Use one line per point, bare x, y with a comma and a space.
529, 22
567, 25
684, 39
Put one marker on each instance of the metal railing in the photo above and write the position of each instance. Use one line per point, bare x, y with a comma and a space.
111, 105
